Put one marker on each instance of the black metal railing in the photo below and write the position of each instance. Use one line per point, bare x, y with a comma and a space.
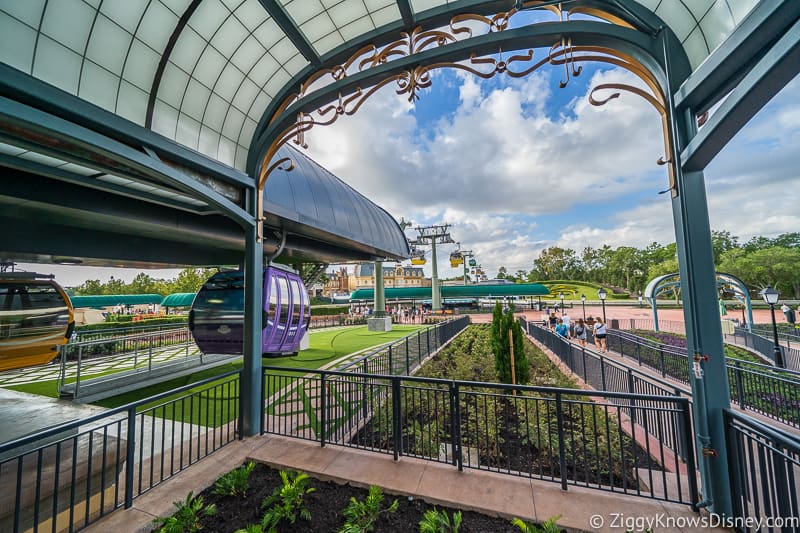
762, 388
764, 482
69, 476
763, 342
604, 374
109, 333
602, 440
404, 356
133, 343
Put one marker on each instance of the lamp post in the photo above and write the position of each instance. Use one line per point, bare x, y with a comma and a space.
770, 296
561, 296
583, 304
602, 295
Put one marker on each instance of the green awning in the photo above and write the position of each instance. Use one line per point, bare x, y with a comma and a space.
456, 291
179, 299
110, 300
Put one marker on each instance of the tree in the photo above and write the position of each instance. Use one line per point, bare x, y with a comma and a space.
191, 279
502, 323
501, 272
721, 242
776, 266
557, 263
89, 287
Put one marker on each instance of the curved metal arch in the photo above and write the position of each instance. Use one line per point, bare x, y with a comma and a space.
633, 15
641, 48
164, 59
668, 281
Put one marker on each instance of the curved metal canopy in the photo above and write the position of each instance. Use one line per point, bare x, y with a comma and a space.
203, 72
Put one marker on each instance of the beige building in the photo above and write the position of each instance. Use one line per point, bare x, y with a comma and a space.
363, 277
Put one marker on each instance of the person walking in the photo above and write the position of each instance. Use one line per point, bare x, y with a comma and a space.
580, 332
600, 332
788, 312
561, 328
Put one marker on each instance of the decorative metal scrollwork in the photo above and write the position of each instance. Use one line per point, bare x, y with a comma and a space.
410, 82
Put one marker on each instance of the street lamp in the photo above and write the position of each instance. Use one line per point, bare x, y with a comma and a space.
561, 295
640, 299
770, 296
583, 304
602, 295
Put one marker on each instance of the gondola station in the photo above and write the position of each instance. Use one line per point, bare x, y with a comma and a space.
171, 133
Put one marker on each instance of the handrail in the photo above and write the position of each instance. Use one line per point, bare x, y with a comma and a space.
781, 437
486, 385
105, 414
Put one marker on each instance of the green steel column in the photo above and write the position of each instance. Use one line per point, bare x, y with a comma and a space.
708, 374
251, 393
655, 313
379, 300
436, 300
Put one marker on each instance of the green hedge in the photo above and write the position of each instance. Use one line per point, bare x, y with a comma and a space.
329, 310
129, 323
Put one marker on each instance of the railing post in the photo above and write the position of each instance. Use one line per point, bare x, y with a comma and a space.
603, 372
150, 354
323, 416
397, 426
562, 453
663, 365
740, 385
631, 389
455, 426
263, 402
391, 366
428, 339
687, 441
130, 457
638, 353
78, 371
408, 362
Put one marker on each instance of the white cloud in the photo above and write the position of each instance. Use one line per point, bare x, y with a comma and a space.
499, 152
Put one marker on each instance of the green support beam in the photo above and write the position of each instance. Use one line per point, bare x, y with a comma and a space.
250, 394
379, 309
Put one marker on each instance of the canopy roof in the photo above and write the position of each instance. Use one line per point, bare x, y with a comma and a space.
179, 299
110, 300
203, 72
457, 291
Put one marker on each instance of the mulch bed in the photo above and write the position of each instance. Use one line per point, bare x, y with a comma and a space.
326, 504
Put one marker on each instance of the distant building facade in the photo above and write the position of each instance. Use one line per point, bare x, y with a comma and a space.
363, 277
338, 283
341, 282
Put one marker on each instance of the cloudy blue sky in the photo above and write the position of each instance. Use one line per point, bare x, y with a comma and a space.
517, 165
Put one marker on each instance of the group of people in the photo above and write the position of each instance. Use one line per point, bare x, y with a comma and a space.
579, 330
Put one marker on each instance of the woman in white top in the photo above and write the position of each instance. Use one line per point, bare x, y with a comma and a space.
600, 333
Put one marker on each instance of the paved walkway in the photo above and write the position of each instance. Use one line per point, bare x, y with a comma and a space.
441, 484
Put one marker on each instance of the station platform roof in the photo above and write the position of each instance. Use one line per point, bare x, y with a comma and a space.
178, 299
456, 291
110, 300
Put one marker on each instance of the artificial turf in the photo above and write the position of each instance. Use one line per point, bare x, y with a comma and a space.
214, 406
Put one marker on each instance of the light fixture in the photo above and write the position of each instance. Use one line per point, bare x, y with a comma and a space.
770, 295
602, 294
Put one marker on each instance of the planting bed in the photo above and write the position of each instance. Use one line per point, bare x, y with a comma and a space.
326, 504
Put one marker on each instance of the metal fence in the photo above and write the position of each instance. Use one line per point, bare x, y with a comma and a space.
133, 329
760, 340
604, 374
69, 476
764, 389
403, 356
602, 440
763, 343
764, 483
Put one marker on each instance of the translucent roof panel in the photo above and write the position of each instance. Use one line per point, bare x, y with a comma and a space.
231, 58
227, 64
329, 23
701, 25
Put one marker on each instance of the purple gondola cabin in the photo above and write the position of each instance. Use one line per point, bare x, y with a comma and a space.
217, 316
